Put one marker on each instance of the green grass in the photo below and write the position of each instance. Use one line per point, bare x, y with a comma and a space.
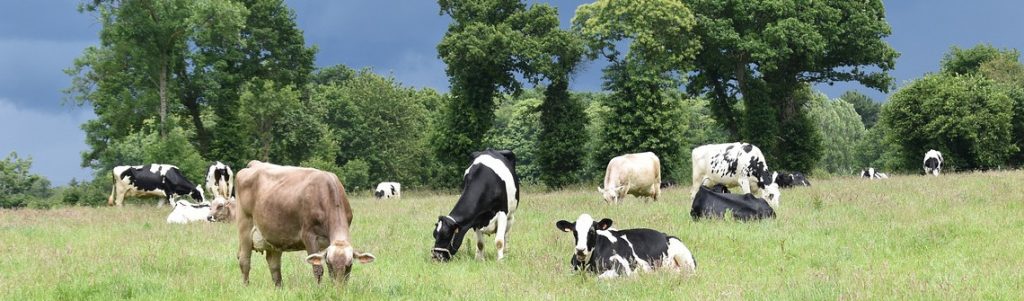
913, 237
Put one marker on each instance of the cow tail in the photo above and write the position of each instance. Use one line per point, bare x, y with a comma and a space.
113, 188
681, 256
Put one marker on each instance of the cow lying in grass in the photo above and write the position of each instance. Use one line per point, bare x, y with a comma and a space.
185, 212
609, 252
713, 203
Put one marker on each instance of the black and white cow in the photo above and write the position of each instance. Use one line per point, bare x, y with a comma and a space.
387, 190
713, 203
601, 250
933, 162
220, 180
151, 180
786, 179
871, 174
734, 164
490, 196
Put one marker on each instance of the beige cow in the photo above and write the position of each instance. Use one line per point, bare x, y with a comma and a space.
636, 174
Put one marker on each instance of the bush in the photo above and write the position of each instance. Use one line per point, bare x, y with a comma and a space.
841, 129
355, 175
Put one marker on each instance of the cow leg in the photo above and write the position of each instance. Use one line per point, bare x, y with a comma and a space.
119, 200
244, 246
499, 239
311, 248
479, 244
744, 184
274, 262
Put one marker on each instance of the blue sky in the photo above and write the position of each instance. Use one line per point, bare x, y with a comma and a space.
38, 39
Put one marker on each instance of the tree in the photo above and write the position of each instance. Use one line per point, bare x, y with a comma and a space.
18, 186
659, 48
762, 53
969, 61
966, 117
263, 106
866, 107
517, 128
841, 129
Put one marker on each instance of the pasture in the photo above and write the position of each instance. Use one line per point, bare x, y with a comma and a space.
910, 237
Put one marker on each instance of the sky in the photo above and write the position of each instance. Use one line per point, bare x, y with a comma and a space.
39, 39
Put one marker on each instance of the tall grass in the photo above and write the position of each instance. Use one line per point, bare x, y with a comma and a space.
910, 237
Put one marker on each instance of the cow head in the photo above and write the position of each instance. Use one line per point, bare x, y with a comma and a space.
448, 236
770, 188
339, 257
584, 231
197, 194
611, 194
378, 194
222, 210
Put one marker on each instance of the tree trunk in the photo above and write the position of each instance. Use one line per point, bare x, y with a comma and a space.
190, 98
163, 100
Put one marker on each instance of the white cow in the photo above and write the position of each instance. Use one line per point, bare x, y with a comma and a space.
220, 181
933, 162
637, 174
185, 212
734, 164
871, 174
387, 190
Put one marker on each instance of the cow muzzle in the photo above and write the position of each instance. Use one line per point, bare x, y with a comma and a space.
441, 254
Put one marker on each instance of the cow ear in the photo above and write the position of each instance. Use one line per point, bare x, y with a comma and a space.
604, 224
315, 259
364, 258
565, 225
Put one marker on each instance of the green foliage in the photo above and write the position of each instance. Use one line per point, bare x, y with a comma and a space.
761, 54
841, 131
263, 106
969, 61
355, 174
966, 117
866, 107
516, 128
641, 115
18, 186
877, 150
560, 147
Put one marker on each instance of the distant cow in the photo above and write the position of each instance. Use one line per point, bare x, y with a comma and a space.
709, 203
220, 180
637, 174
387, 190
490, 196
286, 208
152, 180
786, 180
871, 174
185, 212
933, 162
223, 210
610, 253
734, 164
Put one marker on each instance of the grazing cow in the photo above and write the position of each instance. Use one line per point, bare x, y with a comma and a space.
387, 190
287, 208
871, 174
185, 212
610, 253
711, 203
152, 180
222, 210
220, 180
786, 180
933, 162
637, 174
734, 164
490, 196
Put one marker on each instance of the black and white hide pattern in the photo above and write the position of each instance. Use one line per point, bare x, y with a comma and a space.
734, 164
490, 196
786, 179
710, 203
871, 174
388, 190
607, 252
220, 181
152, 180
933, 162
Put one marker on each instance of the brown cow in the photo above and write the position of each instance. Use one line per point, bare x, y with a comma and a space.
286, 208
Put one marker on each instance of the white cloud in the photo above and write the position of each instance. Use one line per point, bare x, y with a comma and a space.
54, 140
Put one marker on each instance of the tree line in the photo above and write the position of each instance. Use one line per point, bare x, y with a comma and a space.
191, 82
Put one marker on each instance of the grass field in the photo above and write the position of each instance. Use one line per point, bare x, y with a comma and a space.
912, 237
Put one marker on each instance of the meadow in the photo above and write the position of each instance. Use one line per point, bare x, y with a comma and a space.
909, 237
